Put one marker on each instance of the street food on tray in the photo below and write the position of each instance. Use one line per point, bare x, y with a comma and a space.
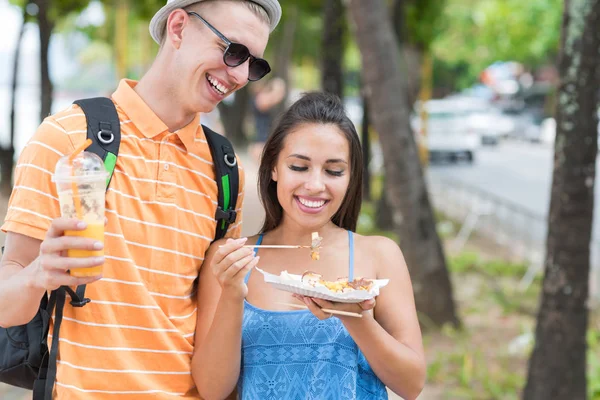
341, 285
312, 284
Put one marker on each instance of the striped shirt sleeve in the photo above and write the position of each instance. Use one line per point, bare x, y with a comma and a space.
34, 200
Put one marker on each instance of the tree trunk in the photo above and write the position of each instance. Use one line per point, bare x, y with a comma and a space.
413, 60
366, 149
405, 185
332, 51
557, 368
45, 26
7, 155
409, 59
384, 218
233, 116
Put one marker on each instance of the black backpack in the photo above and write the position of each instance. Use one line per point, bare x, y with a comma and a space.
25, 360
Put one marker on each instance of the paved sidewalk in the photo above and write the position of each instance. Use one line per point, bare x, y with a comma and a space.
13, 393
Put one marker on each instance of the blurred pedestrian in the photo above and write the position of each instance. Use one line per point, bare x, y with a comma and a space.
267, 96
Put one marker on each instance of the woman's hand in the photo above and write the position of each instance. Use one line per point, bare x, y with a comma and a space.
230, 265
316, 306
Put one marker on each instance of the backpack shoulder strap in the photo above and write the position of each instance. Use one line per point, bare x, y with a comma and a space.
104, 129
228, 180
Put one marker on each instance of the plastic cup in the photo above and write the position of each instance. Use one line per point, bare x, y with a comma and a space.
81, 183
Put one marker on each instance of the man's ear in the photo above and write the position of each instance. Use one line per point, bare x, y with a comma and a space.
176, 22
274, 174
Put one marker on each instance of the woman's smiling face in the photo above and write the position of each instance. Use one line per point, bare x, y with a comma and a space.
312, 174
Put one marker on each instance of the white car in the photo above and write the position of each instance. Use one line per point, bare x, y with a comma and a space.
447, 134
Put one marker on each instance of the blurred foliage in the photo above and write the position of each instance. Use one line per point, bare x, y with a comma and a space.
593, 370
58, 8
488, 358
474, 34
465, 36
470, 261
422, 21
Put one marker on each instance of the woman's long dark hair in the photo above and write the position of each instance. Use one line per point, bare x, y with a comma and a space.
312, 108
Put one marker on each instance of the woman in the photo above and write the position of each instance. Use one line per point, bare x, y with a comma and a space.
310, 179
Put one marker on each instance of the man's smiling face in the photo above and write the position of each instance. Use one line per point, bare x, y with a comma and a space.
199, 66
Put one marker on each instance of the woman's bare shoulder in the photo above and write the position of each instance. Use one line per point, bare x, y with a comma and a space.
382, 253
377, 244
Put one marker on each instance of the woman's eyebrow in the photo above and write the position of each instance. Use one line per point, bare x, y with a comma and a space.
336, 161
330, 161
300, 156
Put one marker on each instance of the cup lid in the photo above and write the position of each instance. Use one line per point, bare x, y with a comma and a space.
86, 166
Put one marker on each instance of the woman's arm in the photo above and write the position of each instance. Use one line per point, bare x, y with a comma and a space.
218, 341
391, 340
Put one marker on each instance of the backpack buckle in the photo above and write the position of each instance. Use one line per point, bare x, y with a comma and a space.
76, 299
80, 303
105, 134
229, 215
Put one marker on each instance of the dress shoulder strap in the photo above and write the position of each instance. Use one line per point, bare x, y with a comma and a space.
258, 243
351, 250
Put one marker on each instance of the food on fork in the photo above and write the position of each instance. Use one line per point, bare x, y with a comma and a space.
315, 246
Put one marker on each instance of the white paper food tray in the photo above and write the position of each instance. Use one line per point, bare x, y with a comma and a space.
293, 283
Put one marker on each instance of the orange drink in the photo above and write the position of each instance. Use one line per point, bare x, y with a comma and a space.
81, 184
93, 231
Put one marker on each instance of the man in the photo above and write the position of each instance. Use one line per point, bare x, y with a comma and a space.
135, 339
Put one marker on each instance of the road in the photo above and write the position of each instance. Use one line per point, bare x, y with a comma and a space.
515, 171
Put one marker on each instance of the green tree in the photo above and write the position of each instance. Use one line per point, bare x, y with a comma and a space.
557, 368
474, 34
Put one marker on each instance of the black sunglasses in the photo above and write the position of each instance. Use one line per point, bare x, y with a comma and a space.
236, 54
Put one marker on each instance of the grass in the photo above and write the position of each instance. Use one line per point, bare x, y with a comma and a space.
488, 358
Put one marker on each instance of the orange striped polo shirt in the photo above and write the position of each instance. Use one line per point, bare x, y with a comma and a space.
135, 339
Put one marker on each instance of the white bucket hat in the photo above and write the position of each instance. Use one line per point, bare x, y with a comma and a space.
157, 25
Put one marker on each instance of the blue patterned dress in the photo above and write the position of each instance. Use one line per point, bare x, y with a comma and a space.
292, 355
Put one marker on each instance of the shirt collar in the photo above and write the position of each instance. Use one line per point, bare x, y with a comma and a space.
188, 133
146, 121
141, 115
